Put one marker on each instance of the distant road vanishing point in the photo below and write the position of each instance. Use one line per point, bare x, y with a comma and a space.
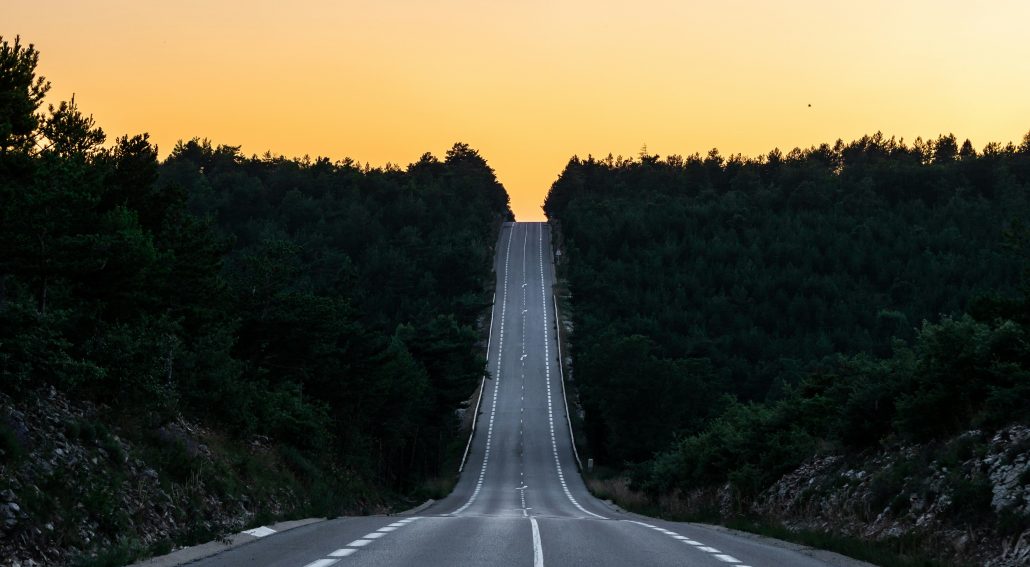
520, 500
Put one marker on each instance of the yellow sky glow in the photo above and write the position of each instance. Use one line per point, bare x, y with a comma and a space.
532, 82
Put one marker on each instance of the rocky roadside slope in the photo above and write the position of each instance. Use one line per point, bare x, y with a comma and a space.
75, 491
965, 501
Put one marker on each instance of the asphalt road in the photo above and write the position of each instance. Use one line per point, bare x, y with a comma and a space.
520, 500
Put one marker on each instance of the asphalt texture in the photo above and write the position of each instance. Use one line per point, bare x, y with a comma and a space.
520, 500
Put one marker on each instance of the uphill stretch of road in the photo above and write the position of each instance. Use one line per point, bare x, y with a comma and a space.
520, 500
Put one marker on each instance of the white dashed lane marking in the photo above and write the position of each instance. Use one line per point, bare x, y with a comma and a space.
697, 545
373, 535
522, 375
356, 545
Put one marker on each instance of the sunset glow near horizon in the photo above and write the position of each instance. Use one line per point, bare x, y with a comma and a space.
531, 83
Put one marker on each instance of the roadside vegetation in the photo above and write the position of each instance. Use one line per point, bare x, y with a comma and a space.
736, 317
323, 312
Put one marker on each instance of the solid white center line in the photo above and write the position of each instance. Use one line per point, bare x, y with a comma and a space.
538, 549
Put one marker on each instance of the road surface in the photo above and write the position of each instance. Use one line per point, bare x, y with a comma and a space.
520, 500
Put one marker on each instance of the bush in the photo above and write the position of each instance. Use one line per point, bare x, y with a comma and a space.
750, 445
125, 551
971, 499
968, 373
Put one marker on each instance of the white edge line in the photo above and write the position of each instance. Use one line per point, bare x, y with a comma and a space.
538, 549
561, 374
504, 299
482, 383
550, 414
482, 387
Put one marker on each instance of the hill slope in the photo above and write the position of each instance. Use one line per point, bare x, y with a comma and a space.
735, 318
233, 338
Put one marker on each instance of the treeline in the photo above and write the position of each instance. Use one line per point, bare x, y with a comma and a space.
356, 288
735, 316
327, 306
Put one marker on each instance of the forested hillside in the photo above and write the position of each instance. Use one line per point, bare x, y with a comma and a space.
354, 288
322, 312
736, 316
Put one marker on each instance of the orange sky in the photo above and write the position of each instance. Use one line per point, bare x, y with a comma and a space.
531, 82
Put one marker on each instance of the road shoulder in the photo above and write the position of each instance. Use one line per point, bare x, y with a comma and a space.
204, 550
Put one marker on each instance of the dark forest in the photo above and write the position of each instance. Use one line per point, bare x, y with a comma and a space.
736, 316
296, 301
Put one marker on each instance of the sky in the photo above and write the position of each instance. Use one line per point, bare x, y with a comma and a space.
530, 83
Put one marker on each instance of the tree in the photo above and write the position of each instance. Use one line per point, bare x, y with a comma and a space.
69, 133
773, 269
21, 93
945, 149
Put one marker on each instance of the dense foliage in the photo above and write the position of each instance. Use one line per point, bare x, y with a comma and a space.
327, 306
735, 316
356, 287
